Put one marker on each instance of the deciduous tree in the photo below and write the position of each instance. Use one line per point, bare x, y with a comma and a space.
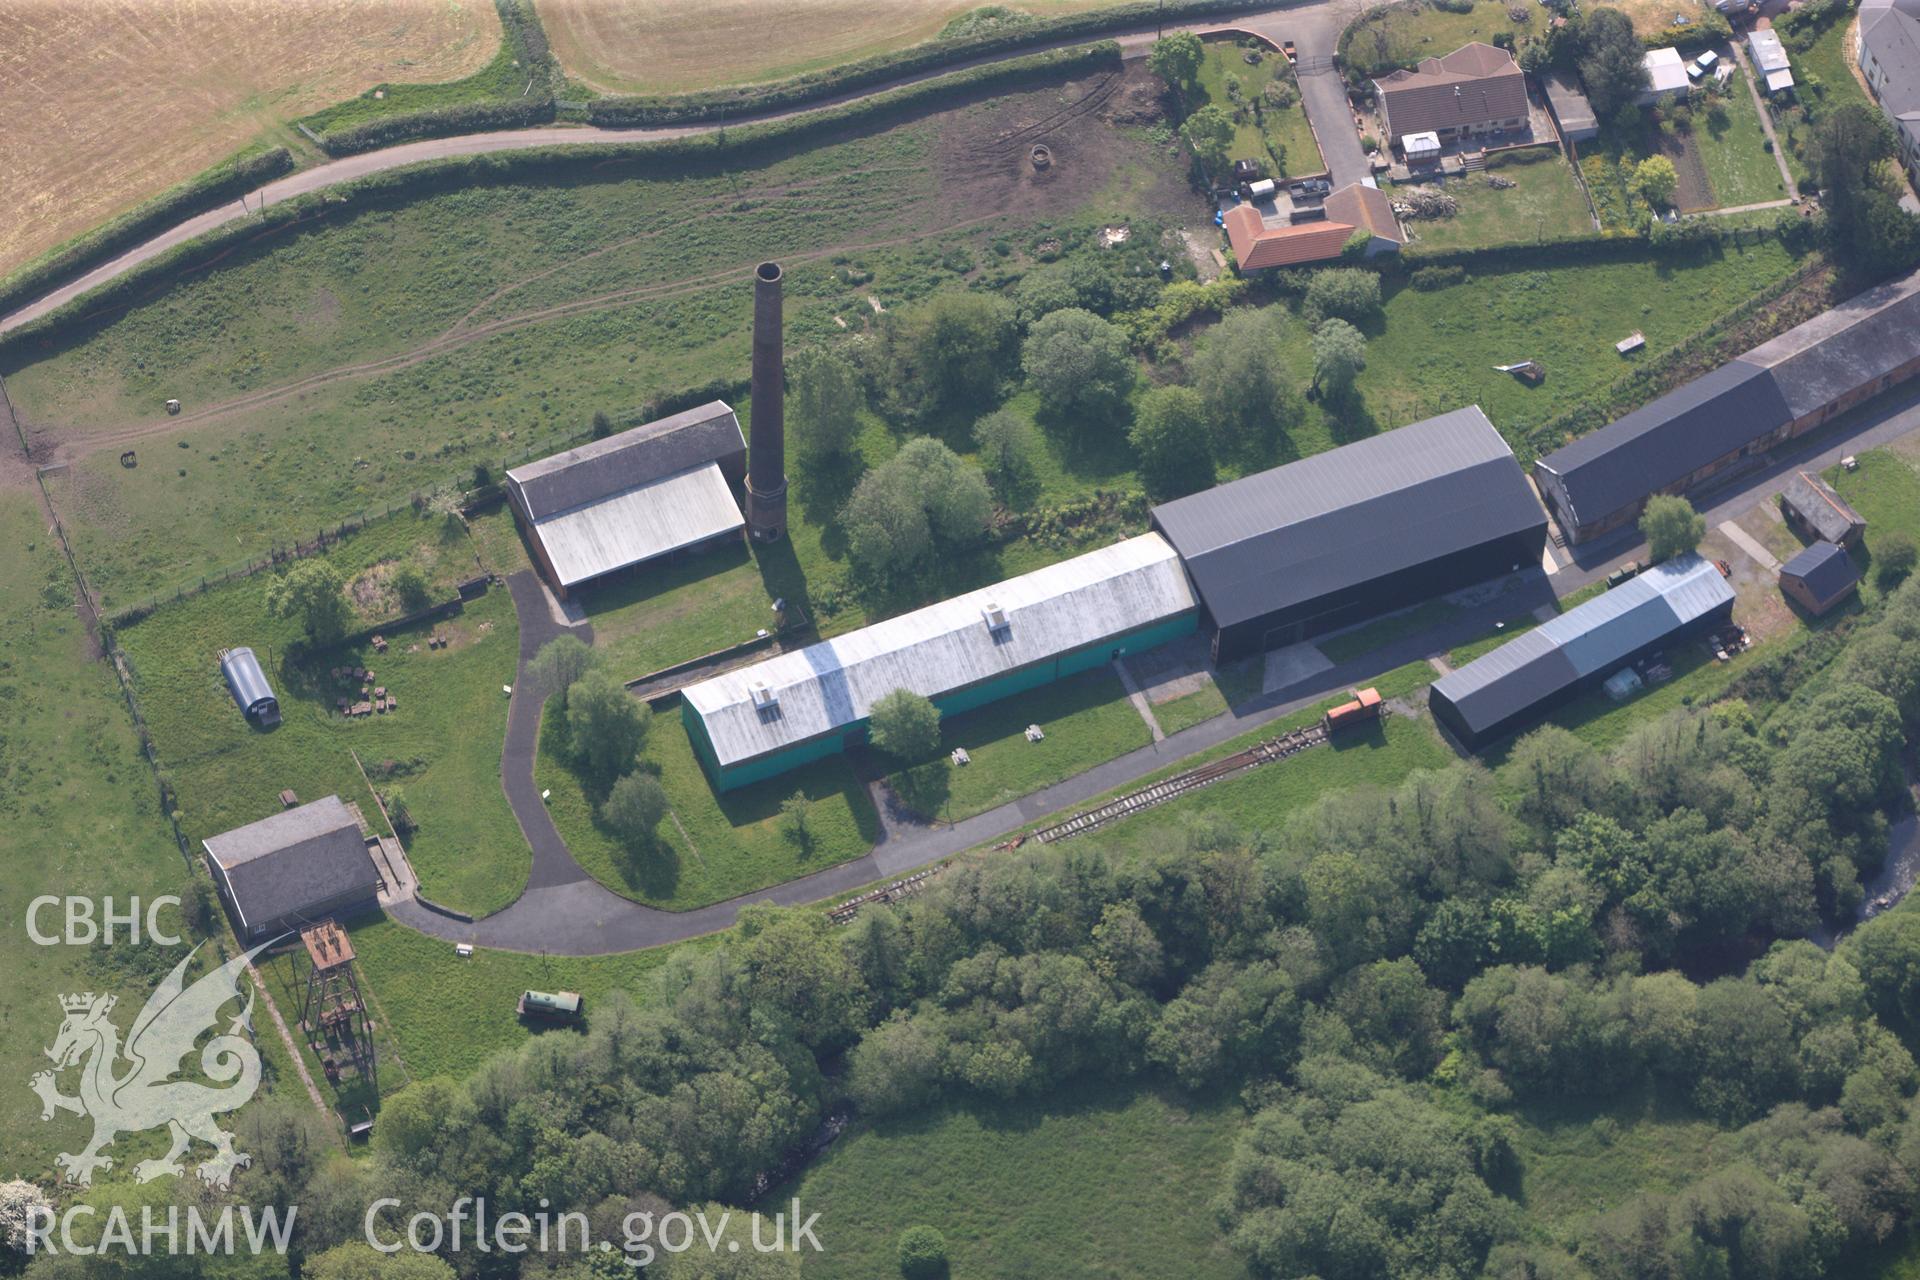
1671, 526
905, 725
312, 593
1171, 439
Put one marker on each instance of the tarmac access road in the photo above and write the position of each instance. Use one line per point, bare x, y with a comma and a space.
1314, 25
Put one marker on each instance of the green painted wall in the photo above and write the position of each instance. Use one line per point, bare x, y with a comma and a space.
952, 704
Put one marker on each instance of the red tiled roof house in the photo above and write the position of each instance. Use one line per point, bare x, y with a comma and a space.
1350, 210
1473, 90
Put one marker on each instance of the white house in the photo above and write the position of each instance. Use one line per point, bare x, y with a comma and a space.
1889, 53
1666, 76
1770, 61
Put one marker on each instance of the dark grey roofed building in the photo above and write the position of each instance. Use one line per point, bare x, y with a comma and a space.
1572, 110
1516, 684
667, 486
1816, 511
1820, 577
1363, 529
1847, 354
290, 870
1601, 481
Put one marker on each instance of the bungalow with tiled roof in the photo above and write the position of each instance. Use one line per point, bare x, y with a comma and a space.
1475, 89
1353, 210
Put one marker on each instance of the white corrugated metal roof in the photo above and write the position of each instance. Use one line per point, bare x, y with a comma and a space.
640, 523
943, 647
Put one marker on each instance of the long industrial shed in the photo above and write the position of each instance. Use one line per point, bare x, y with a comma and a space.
1728, 420
762, 720
1525, 678
1360, 530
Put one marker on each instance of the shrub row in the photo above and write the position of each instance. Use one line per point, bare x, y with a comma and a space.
532, 163
224, 182
438, 122
881, 68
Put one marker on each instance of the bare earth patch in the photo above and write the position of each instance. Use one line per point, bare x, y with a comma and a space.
659, 46
110, 102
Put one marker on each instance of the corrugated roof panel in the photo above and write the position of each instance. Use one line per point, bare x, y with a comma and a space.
1585, 640
943, 647
1350, 515
245, 679
647, 452
640, 523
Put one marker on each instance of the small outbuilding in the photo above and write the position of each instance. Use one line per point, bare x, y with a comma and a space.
1820, 578
248, 684
1770, 60
293, 869
1666, 76
1572, 111
1819, 513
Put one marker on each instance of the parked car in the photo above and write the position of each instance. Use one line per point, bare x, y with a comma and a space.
1309, 189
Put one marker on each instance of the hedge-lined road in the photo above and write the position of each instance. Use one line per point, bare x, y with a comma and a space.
1313, 25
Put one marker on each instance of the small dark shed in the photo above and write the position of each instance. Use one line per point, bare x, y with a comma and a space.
1816, 511
249, 686
1819, 578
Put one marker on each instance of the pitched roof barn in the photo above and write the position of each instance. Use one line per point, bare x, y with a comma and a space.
1468, 89
1820, 577
1664, 442
1813, 505
297, 865
633, 496
1496, 693
972, 638
1867, 337
1310, 530
1257, 246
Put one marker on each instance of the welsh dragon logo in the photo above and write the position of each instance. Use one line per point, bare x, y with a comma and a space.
144, 1095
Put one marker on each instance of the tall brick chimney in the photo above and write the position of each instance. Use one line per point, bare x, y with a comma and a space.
767, 449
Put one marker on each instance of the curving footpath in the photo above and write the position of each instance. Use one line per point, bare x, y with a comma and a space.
564, 911
1314, 26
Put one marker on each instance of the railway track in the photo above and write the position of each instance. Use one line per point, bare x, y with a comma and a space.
1280, 748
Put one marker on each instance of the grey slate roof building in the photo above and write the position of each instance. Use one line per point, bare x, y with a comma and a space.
1733, 416
1516, 684
659, 488
296, 867
248, 684
1820, 577
1889, 55
961, 653
1816, 511
1363, 529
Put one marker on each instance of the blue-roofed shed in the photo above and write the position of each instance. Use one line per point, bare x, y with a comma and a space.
249, 686
1522, 680
1820, 577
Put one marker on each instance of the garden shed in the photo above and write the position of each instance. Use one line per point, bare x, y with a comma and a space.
1817, 511
762, 720
1820, 578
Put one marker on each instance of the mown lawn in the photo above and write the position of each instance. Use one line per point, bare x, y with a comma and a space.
713, 845
1279, 137
1734, 149
1087, 719
450, 1014
1545, 204
1886, 491
1189, 709
440, 748
1103, 1184
662, 615
1402, 35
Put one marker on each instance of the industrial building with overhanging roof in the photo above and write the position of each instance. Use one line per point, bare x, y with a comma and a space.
666, 487
1360, 530
1518, 683
293, 869
762, 720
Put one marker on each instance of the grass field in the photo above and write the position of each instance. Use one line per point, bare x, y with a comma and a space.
1734, 150
441, 748
1088, 719
1189, 709
1574, 1172
712, 846
1886, 491
112, 102
79, 815
1103, 1183
659, 46
1280, 137
1546, 204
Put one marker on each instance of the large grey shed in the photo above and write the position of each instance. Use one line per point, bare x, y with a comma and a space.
295, 868
249, 686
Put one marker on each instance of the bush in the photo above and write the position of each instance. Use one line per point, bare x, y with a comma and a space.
1433, 279
905, 725
1671, 526
1078, 363
1894, 556
923, 1253
410, 588
1346, 293
633, 810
